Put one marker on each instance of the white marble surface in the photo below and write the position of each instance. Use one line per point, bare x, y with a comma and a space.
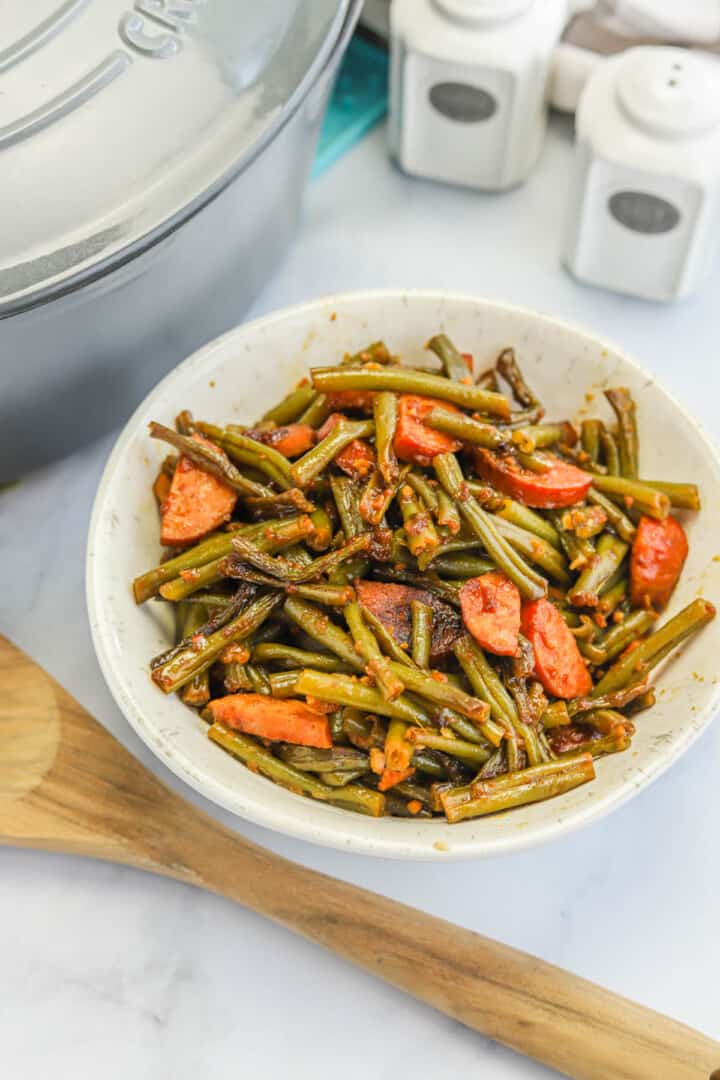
108, 972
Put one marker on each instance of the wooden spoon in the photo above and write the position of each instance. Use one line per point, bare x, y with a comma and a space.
67, 785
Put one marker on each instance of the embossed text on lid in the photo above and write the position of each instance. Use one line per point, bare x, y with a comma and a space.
119, 118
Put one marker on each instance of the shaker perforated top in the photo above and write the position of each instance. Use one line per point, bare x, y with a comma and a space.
121, 118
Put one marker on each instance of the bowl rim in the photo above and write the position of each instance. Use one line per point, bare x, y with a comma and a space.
330, 834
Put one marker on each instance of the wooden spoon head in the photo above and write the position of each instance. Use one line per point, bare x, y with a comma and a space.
65, 783
29, 726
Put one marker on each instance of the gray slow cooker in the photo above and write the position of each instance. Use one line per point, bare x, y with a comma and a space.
152, 161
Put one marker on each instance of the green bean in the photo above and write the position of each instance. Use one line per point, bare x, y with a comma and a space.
462, 566
337, 759
611, 597
610, 452
527, 786
210, 458
527, 519
376, 665
623, 406
398, 751
636, 665
634, 494
539, 436
421, 487
291, 406
422, 625
237, 678
508, 367
469, 753
289, 571
535, 549
641, 703
448, 515
590, 438
411, 789
346, 690
579, 552
340, 779
431, 763
633, 626
452, 360
556, 715
314, 621
191, 618
209, 600
619, 521
485, 681
344, 491
530, 584
419, 529
311, 464
396, 806
448, 718
258, 679
358, 567
351, 796
180, 669
321, 536
390, 646
291, 657
385, 416
614, 743
265, 458
620, 699
377, 353
537, 463
683, 496
489, 499
278, 500
317, 411
585, 522
465, 428
190, 581
284, 683
376, 498
409, 381
610, 553
488, 380
275, 535
444, 693
325, 595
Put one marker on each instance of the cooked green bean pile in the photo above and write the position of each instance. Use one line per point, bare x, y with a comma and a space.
405, 592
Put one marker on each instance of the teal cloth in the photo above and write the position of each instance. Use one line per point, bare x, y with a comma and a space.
358, 102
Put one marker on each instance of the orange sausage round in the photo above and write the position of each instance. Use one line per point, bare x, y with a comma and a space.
558, 663
658, 553
490, 607
414, 440
562, 485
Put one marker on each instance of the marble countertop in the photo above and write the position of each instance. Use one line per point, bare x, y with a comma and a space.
110, 972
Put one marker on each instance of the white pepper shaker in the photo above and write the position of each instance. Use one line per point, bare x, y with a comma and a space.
468, 90
644, 207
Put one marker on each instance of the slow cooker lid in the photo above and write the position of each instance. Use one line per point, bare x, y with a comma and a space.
120, 118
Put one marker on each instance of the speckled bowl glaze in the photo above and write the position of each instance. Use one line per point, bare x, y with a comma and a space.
240, 375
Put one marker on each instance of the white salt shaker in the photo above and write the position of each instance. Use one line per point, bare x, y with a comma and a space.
644, 207
468, 89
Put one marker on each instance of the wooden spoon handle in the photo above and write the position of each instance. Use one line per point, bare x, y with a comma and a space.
67, 785
533, 1007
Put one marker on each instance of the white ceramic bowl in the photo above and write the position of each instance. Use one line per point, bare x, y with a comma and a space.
235, 379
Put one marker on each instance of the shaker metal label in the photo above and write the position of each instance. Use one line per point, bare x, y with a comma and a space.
643, 213
462, 102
